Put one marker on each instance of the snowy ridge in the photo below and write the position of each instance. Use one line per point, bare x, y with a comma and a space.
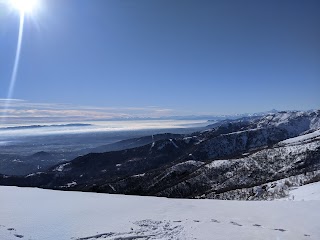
220, 162
61, 167
293, 122
313, 136
265, 165
280, 189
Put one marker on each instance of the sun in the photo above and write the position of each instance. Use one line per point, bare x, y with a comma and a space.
24, 6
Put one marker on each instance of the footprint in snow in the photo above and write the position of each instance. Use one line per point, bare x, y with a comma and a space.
280, 229
215, 221
236, 224
257, 225
18, 236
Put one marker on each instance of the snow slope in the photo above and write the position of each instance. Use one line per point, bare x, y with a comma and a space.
313, 136
305, 193
30, 213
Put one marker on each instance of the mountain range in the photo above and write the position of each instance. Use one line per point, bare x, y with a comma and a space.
251, 158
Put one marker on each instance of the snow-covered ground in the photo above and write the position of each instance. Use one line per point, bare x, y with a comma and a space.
305, 193
30, 213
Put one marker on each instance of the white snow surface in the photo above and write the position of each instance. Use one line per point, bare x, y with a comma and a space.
61, 167
305, 193
302, 138
30, 213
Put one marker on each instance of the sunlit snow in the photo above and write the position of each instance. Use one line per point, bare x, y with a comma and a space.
38, 214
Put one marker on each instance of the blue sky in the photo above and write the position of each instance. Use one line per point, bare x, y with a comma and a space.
192, 57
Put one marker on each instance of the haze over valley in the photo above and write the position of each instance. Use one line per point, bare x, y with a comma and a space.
159, 120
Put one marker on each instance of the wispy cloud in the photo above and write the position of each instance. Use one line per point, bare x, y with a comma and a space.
11, 99
24, 111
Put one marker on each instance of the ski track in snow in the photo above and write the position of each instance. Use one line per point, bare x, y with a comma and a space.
37, 214
150, 229
147, 229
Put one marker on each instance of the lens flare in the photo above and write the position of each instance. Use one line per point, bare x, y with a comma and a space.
24, 6
15, 67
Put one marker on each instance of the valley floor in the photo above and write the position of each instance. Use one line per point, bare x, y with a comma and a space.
37, 214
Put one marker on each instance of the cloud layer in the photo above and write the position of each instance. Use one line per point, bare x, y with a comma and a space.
21, 111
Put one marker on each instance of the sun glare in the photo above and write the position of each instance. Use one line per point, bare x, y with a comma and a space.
24, 6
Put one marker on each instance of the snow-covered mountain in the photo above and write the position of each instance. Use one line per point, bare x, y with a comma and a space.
249, 158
